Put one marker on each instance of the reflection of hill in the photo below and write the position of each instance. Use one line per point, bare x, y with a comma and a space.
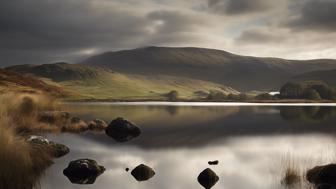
194, 127
307, 113
154, 115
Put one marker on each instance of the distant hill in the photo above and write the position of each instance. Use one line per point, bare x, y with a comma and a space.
244, 73
327, 76
88, 82
13, 82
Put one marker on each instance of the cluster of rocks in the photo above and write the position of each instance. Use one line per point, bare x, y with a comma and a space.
70, 124
86, 171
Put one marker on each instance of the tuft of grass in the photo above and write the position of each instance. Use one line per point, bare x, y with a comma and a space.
23, 110
21, 164
293, 171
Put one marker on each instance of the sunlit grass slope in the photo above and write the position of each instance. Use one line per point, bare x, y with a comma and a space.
92, 83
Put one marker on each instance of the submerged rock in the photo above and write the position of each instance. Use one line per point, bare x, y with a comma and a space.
323, 176
213, 162
142, 172
97, 124
122, 130
207, 178
83, 171
57, 150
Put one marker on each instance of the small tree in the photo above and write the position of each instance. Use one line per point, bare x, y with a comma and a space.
172, 95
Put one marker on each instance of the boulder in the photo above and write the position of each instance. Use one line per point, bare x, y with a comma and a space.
207, 178
57, 150
97, 124
122, 130
142, 172
83, 171
323, 175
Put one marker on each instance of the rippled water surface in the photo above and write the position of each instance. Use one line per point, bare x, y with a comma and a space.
252, 143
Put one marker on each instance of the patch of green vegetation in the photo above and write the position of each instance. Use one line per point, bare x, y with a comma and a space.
108, 85
311, 90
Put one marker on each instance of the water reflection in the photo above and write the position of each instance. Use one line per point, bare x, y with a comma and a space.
307, 113
248, 162
249, 142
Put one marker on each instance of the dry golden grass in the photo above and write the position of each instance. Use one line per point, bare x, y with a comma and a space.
23, 110
21, 164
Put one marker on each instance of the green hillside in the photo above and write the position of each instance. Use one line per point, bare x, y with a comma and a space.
86, 82
243, 73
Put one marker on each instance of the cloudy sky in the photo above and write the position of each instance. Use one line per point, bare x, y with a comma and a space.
42, 31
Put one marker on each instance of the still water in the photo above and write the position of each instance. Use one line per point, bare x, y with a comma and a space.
253, 144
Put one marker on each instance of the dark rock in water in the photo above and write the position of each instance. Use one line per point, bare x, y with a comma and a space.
97, 124
56, 150
37, 140
213, 162
207, 178
122, 130
323, 175
127, 169
142, 172
59, 150
53, 117
83, 171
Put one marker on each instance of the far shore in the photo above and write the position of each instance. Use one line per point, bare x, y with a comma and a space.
208, 103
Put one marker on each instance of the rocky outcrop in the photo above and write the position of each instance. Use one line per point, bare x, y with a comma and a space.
142, 172
122, 130
83, 171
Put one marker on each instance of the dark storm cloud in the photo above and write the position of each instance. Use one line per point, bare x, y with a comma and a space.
38, 31
316, 15
233, 7
254, 36
57, 24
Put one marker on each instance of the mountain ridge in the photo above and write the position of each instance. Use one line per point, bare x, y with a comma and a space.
244, 73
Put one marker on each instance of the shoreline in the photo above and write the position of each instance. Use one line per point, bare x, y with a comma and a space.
197, 104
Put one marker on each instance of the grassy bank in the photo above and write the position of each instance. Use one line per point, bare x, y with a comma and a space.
21, 164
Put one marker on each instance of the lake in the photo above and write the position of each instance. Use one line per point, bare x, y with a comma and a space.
254, 144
